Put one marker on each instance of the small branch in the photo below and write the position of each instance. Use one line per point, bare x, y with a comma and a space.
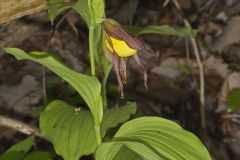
232, 116
166, 3
10, 9
44, 90
200, 66
19, 126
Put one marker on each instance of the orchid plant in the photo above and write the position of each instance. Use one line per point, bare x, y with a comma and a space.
75, 131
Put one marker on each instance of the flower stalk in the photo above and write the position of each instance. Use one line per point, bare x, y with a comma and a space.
91, 50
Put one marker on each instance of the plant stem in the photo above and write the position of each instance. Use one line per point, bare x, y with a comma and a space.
98, 134
92, 63
202, 83
91, 50
104, 86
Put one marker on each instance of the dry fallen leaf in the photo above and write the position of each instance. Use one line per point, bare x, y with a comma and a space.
20, 97
216, 64
230, 35
174, 67
232, 81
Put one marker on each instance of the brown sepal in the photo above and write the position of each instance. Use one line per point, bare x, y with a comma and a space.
142, 68
116, 31
119, 66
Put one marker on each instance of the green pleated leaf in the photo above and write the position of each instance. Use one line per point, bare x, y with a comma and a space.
98, 39
88, 87
70, 130
116, 116
81, 6
39, 156
163, 138
70, 135
129, 150
96, 8
92, 11
126, 153
234, 99
19, 150
164, 29
55, 7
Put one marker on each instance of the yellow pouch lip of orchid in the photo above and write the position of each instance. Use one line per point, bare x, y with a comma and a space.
120, 47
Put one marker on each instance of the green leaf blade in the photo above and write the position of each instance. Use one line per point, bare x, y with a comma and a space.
158, 137
92, 11
131, 151
163, 29
39, 156
71, 131
234, 99
88, 87
96, 8
81, 6
173, 133
19, 150
115, 116
55, 7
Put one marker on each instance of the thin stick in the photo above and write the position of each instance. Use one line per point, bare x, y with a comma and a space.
166, 3
19, 126
200, 66
44, 90
187, 50
12, 9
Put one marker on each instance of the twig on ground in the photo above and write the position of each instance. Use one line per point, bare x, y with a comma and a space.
166, 3
10, 10
19, 126
187, 50
232, 116
200, 66
44, 90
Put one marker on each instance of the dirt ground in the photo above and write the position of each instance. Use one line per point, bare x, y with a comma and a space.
173, 70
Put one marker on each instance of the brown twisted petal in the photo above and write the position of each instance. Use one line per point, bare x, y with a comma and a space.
142, 68
119, 67
113, 29
116, 31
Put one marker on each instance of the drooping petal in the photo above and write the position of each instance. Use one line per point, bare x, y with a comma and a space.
142, 69
123, 70
119, 67
118, 44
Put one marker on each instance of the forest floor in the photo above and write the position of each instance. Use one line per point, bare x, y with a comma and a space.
173, 70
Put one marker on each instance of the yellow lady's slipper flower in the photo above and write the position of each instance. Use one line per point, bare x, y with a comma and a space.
120, 47
118, 44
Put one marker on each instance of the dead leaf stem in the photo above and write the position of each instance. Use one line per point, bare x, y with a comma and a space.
19, 126
200, 66
44, 90
10, 10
